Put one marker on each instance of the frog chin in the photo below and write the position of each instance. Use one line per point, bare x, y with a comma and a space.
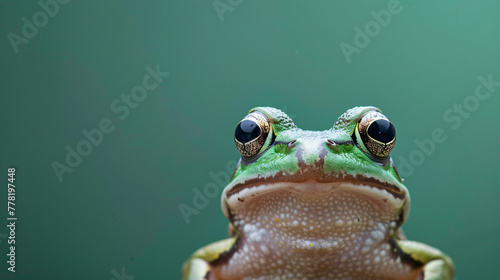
378, 195
313, 219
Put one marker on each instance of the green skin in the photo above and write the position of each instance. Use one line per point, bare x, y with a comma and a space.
295, 151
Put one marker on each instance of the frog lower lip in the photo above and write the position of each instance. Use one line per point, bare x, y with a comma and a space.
335, 178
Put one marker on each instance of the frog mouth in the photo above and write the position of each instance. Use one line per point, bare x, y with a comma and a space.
379, 192
334, 178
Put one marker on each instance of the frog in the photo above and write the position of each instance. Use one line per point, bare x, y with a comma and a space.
305, 204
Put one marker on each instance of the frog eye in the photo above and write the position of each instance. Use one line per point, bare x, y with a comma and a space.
377, 134
252, 134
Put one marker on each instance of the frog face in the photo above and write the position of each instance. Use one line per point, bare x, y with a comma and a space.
292, 175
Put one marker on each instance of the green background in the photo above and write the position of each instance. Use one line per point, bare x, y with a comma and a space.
119, 207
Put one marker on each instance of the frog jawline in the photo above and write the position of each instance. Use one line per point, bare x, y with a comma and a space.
311, 187
358, 179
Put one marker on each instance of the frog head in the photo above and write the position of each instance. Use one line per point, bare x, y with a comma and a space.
288, 173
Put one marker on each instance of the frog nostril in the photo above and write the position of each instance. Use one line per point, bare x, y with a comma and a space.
334, 146
330, 142
291, 144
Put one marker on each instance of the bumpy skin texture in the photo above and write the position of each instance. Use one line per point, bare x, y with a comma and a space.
316, 205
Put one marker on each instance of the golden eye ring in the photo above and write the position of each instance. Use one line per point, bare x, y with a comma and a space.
251, 134
377, 133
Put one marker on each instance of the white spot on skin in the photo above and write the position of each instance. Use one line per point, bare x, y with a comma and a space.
339, 223
377, 235
264, 249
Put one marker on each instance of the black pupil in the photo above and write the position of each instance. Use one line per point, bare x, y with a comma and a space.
382, 130
246, 131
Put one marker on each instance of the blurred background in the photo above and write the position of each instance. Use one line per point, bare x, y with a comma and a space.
114, 113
